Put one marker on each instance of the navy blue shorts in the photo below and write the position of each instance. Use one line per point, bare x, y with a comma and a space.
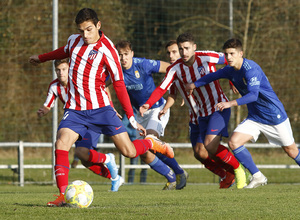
89, 140
194, 134
214, 124
96, 121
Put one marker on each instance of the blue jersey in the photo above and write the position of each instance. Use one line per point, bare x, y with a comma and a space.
139, 81
251, 82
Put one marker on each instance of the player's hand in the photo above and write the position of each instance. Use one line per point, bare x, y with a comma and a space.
223, 105
142, 130
161, 113
143, 109
42, 111
189, 87
232, 87
34, 60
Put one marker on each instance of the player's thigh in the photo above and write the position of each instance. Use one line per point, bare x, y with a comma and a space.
124, 144
238, 139
65, 139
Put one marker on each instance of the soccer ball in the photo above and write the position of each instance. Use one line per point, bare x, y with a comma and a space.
79, 194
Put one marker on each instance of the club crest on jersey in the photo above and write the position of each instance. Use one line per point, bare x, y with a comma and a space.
92, 55
137, 74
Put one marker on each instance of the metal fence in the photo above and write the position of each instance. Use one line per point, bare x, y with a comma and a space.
122, 165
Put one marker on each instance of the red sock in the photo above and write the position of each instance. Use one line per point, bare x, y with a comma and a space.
100, 170
214, 167
141, 146
62, 167
226, 166
96, 157
226, 156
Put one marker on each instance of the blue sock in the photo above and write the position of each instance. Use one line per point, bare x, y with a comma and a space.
297, 159
163, 169
171, 162
245, 158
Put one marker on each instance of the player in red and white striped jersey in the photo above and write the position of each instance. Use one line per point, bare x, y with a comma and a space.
92, 58
58, 89
200, 152
213, 123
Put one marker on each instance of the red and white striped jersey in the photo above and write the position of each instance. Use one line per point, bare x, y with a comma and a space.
90, 64
56, 89
188, 100
203, 98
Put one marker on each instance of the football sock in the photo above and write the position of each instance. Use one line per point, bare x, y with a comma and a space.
61, 168
226, 156
297, 158
141, 146
171, 162
225, 166
163, 169
96, 157
245, 158
100, 170
214, 167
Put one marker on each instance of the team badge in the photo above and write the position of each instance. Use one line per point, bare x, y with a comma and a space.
92, 55
137, 74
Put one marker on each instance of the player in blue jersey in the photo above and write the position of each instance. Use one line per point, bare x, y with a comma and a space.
140, 84
266, 113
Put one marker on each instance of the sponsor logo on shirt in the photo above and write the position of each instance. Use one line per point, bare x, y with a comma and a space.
254, 81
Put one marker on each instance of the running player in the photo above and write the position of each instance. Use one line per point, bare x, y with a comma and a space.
58, 88
140, 84
190, 67
92, 58
266, 113
200, 153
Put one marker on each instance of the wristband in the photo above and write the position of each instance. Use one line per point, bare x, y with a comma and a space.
133, 122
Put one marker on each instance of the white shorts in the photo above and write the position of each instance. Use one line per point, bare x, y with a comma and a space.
280, 134
151, 121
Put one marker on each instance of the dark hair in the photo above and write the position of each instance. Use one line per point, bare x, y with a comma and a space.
86, 14
233, 43
185, 37
170, 43
58, 62
124, 44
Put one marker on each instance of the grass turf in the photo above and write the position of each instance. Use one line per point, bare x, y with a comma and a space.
273, 201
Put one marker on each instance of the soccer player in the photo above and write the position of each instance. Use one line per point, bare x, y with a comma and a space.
266, 113
93, 58
212, 123
140, 84
58, 88
200, 153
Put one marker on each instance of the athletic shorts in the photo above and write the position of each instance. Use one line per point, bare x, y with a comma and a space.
280, 134
151, 121
214, 124
89, 140
194, 134
101, 121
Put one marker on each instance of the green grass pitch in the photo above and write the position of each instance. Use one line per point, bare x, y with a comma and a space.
196, 201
